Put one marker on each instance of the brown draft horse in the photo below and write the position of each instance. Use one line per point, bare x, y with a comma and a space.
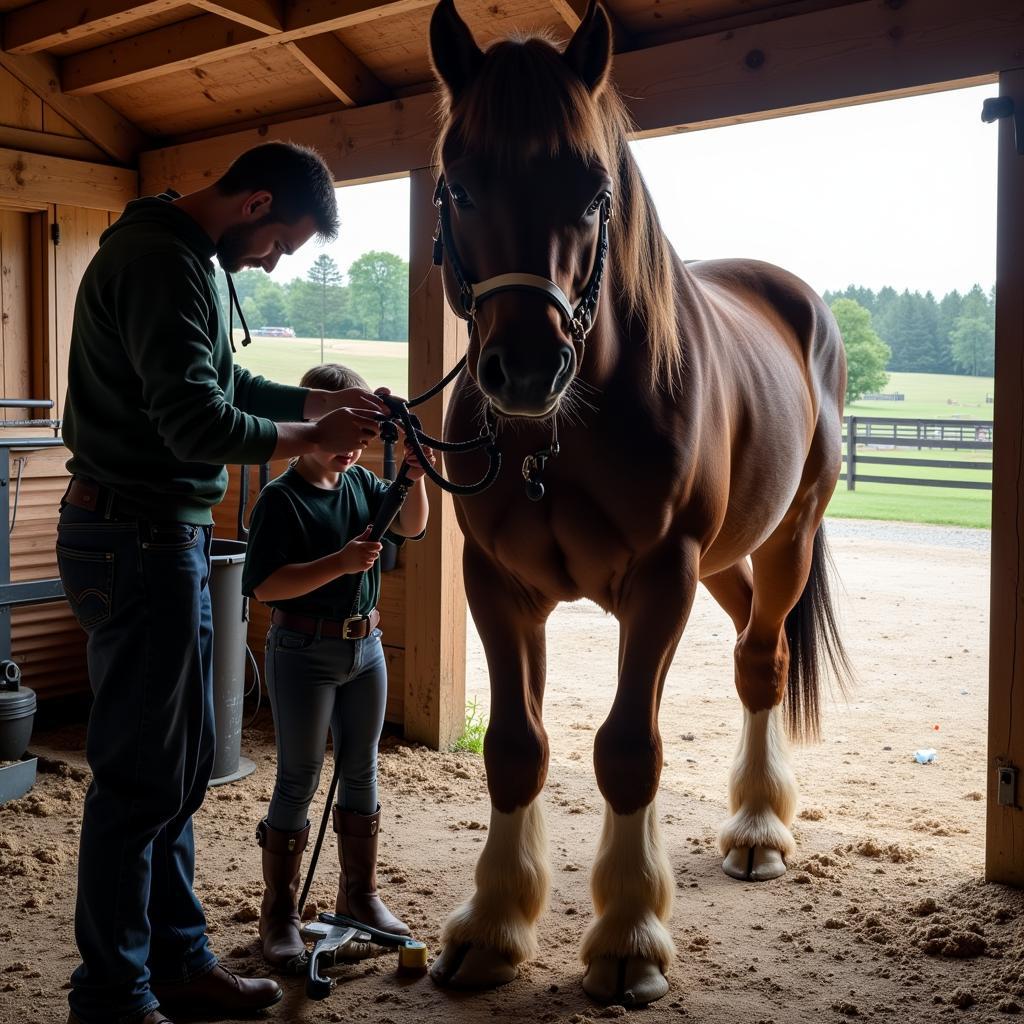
697, 410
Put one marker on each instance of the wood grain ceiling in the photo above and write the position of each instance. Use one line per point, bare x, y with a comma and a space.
173, 71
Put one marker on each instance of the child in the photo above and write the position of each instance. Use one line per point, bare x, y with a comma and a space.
307, 552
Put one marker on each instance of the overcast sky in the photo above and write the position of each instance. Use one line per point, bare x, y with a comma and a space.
900, 193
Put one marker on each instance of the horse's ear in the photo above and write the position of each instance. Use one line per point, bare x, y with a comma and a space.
453, 50
589, 52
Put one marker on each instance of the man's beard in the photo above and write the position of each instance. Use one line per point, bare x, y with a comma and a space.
235, 248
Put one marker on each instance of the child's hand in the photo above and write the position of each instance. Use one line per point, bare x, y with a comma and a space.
346, 430
416, 470
359, 553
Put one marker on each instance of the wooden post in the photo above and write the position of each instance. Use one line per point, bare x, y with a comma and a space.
1004, 845
851, 452
435, 602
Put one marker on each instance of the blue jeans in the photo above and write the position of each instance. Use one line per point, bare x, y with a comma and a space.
141, 592
316, 684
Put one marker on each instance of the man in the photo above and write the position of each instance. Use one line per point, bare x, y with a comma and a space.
155, 410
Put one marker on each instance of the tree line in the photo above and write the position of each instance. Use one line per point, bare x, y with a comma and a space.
371, 301
911, 332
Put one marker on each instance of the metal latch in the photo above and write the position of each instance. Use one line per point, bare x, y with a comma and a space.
1003, 106
1006, 788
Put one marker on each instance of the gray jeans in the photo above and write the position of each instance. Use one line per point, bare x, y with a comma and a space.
315, 685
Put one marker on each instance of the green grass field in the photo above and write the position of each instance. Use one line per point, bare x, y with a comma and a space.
928, 396
287, 359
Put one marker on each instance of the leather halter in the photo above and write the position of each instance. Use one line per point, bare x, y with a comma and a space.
578, 319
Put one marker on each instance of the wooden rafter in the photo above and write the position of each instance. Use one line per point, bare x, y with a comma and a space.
262, 15
572, 12
867, 50
52, 22
89, 114
338, 69
209, 38
34, 179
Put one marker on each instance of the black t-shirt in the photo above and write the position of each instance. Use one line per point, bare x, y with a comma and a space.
295, 521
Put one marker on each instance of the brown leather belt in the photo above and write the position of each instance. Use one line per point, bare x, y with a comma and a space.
88, 494
355, 627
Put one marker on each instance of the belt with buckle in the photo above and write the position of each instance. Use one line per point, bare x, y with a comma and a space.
355, 627
88, 494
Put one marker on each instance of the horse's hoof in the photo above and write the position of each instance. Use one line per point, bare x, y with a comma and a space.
628, 981
469, 966
754, 863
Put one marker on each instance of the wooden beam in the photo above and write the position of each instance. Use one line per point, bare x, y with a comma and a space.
51, 23
358, 144
34, 180
311, 17
48, 144
847, 55
572, 13
1004, 846
339, 70
262, 15
209, 38
91, 116
435, 601
819, 59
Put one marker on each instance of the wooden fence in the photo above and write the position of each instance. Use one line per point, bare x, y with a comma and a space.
879, 432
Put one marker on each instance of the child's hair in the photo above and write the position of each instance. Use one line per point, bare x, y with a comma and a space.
332, 377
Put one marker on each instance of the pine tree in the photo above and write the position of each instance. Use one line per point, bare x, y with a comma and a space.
325, 275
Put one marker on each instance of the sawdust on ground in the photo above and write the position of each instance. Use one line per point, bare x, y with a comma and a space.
883, 915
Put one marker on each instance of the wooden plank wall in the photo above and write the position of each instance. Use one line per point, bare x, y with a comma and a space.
46, 640
392, 600
38, 284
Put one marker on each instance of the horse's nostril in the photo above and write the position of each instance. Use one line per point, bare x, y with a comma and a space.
491, 374
566, 359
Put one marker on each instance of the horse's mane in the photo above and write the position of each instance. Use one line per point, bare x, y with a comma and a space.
526, 100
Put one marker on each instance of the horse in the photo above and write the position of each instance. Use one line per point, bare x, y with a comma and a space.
661, 424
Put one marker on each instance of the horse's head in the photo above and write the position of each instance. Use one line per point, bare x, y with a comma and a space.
530, 150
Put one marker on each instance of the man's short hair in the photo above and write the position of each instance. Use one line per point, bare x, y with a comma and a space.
297, 178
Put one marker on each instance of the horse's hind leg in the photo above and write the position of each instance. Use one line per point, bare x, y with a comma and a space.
627, 949
756, 840
494, 930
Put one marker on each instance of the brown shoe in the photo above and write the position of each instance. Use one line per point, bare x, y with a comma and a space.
357, 884
153, 1017
220, 990
283, 947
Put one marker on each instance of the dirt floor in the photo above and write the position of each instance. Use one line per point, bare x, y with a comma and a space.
883, 916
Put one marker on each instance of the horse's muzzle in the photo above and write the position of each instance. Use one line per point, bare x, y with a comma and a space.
520, 386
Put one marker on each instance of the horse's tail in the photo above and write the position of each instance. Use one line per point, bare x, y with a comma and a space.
815, 646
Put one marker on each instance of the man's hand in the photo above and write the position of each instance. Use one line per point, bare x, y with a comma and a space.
359, 553
345, 430
416, 470
322, 403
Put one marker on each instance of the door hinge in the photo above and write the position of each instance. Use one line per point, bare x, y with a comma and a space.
997, 107
55, 232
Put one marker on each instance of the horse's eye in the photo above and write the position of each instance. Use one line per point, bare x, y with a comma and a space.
460, 197
596, 205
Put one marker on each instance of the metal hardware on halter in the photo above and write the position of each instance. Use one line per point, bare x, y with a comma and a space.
533, 466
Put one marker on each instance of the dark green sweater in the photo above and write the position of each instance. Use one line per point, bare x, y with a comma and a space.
155, 406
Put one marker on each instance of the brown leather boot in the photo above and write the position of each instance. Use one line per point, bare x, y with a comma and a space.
283, 947
357, 884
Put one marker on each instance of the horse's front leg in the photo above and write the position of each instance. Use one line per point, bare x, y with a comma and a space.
627, 949
494, 930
